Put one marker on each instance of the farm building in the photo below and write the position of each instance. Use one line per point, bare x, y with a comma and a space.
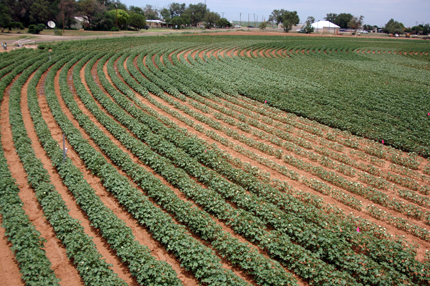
155, 23
326, 27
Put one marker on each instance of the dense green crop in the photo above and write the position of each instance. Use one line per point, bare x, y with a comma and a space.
269, 103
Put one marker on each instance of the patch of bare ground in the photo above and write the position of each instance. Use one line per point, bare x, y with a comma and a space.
55, 250
170, 57
193, 54
153, 60
9, 268
186, 55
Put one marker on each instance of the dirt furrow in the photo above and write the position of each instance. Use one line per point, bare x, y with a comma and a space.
9, 268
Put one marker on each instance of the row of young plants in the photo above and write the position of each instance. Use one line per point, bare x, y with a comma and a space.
142, 265
194, 257
229, 214
399, 222
205, 176
354, 187
26, 240
120, 71
80, 247
410, 173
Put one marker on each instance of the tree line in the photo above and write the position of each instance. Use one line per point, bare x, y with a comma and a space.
102, 14
114, 15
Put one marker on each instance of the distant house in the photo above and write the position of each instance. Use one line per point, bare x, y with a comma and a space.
156, 23
200, 25
326, 27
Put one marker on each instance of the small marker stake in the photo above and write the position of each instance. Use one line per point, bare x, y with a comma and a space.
428, 114
358, 229
382, 141
206, 151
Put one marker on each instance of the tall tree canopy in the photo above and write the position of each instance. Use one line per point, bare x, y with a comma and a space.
287, 18
341, 19
394, 27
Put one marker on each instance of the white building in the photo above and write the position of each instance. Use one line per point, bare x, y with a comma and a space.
325, 27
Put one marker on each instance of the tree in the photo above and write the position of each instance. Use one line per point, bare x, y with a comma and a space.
137, 21
151, 13
196, 12
356, 23
176, 9
136, 10
343, 19
69, 7
5, 18
262, 26
308, 27
39, 12
331, 17
223, 23
90, 9
310, 20
121, 17
36, 29
289, 19
165, 13
394, 27
210, 19
276, 16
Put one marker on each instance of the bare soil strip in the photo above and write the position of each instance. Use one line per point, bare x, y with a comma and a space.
9, 268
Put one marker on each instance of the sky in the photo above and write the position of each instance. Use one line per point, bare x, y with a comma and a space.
375, 12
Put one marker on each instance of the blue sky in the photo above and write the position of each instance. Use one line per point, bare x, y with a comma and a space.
375, 12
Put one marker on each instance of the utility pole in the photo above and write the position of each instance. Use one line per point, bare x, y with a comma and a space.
240, 19
222, 14
116, 14
62, 8
248, 19
254, 20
